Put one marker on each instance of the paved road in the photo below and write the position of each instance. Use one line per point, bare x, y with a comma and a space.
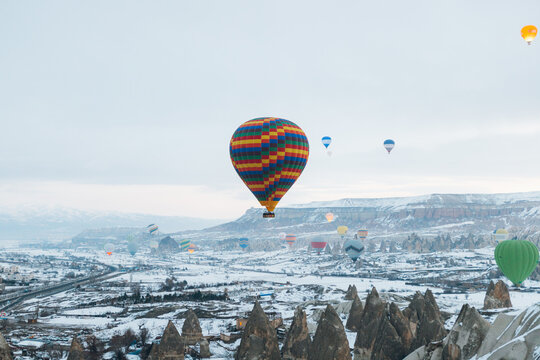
8, 302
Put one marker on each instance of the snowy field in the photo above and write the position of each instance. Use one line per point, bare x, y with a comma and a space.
291, 277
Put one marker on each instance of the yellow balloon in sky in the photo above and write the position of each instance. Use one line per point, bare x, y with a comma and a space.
528, 33
342, 230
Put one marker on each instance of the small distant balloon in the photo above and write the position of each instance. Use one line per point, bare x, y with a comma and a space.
109, 248
342, 230
132, 247
528, 33
362, 234
318, 246
329, 217
389, 145
152, 228
154, 244
326, 140
191, 248
243, 242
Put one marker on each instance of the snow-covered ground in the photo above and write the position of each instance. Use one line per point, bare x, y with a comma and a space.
294, 277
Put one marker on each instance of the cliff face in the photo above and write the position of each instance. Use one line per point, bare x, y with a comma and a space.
477, 211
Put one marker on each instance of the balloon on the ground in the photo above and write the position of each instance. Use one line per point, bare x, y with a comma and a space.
517, 259
353, 248
362, 234
318, 246
184, 244
326, 140
291, 238
528, 33
329, 217
500, 235
243, 242
342, 230
109, 248
269, 154
389, 145
152, 228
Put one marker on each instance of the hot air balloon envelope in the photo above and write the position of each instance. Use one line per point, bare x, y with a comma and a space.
132, 247
329, 217
243, 243
152, 228
517, 259
353, 248
362, 234
389, 145
528, 33
500, 235
184, 244
269, 154
109, 248
342, 230
290, 239
326, 140
318, 245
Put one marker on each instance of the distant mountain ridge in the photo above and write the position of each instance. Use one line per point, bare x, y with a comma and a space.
426, 213
52, 223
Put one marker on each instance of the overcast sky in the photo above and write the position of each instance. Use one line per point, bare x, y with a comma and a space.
130, 105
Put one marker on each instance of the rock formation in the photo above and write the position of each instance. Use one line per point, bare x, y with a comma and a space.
205, 349
394, 335
191, 330
427, 323
298, 341
76, 351
330, 341
355, 315
368, 326
382, 247
259, 340
466, 335
515, 337
171, 346
351, 292
497, 296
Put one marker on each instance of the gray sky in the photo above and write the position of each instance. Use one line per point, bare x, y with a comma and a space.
130, 105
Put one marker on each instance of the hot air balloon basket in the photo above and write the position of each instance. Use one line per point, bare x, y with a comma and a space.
269, 215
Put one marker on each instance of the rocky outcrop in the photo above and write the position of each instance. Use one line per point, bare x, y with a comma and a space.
259, 340
5, 351
515, 337
466, 335
76, 351
355, 315
171, 346
204, 351
191, 330
168, 245
427, 323
394, 335
351, 292
369, 325
330, 341
298, 341
497, 296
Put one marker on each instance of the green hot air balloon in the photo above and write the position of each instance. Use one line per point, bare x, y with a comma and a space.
517, 259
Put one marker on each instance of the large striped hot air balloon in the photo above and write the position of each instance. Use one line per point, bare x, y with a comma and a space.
184, 244
243, 243
517, 259
318, 246
290, 239
269, 154
152, 228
